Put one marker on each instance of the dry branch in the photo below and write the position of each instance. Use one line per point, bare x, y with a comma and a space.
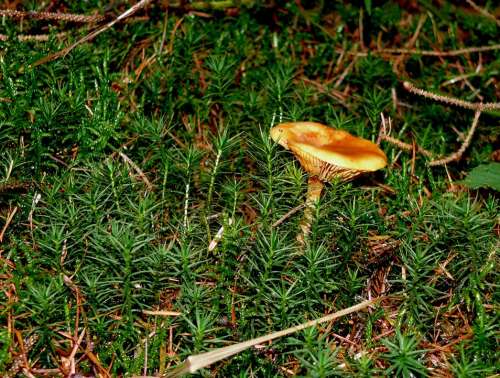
32, 37
458, 154
141, 4
406, 146
287, 215
479, 107
484, 12
482, 106
395, 51
7, 222
78, 18
138, 170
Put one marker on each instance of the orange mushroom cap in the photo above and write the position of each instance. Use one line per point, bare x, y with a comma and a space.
327, 152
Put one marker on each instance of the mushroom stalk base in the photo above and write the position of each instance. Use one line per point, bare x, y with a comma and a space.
314, 189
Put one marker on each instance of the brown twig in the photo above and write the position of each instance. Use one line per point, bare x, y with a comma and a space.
164, 33
136, 168
141, 4
93, 358
414, 38
405, 146
481, 106
288, 215
361, 31
46, 372
458, 154
7, 223
410, 43
57, 160
458, 78
32, 37
392, 51
21, 361
332, 93
344, 74
71, 358
215, 5
172, 34
78, 18
483, 11
385, 130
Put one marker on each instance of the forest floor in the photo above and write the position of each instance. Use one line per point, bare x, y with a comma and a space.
145, 214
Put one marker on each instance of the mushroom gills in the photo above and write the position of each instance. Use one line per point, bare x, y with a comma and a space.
323, 170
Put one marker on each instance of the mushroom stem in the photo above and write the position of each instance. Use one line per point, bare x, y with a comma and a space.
314, 189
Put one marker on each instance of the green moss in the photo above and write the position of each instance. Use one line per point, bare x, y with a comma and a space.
194, 123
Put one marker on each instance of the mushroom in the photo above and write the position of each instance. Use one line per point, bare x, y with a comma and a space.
326, 154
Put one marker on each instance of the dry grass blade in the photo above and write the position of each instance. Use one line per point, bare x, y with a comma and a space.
199, 361
141, 4
161, 313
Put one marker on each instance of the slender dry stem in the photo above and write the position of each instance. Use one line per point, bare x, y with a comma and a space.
385, 130
194, 363
32, 37
479, 107
411, 42
7, 222
361, 31
215, 5
161, 313
141, 4
344, 74
137, 169
406, 146
332, 93
482, 106
458, 154
49, 16
288, 215
392, 51
483, 11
